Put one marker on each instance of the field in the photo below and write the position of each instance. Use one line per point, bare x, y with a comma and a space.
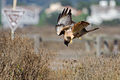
55, 61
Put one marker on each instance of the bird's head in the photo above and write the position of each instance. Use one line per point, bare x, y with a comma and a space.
67, 41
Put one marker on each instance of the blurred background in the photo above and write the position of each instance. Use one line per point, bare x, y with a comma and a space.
38, 26
40, 18
43, 12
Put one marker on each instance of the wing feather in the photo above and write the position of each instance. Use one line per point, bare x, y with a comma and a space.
64, 19
79, 26
66, 11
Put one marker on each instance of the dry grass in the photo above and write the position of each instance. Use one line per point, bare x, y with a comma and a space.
19, 62
89, 68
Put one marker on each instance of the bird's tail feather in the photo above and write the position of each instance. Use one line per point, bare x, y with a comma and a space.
93, 29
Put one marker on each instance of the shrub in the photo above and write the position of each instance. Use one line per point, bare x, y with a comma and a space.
19, 62
52, 19
80, 17
43, 17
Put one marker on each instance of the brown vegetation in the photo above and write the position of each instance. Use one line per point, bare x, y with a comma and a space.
19, 62
89, 68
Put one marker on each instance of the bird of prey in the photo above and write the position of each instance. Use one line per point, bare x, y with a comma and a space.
70, 29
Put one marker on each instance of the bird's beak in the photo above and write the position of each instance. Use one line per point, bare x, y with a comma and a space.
66, 43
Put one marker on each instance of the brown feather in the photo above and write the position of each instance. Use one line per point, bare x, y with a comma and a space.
79, 26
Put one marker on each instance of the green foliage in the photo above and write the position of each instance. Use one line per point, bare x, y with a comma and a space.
118, 2
85, 4
20, 4
43, 18
0, 19
0, 11
80, 17
65, 2
52, 19
48, 19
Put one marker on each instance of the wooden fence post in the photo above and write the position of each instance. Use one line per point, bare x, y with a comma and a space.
36, 43
87, 45
98, 46
106, 47
115, 47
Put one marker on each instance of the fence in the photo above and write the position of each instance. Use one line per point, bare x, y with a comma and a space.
100, 43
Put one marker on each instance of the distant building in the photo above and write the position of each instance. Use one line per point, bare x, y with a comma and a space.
30, 17
57, 7
105, 11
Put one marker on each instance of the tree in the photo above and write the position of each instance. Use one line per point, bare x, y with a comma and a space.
118, 2
0, 10
83, 4
80, 17
86, 4
43, 17
53, 18
114, 22
48, 19
0, 19
65, 2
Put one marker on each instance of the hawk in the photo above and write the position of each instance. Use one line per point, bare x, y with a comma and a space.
70, 29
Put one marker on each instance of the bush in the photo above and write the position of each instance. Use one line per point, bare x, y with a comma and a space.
89, 68
0, 20
66, 2
52, 19
43, 18
80, 17
85, 4
19, 62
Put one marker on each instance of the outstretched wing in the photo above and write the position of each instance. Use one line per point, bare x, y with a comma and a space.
64, 19
79, 26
